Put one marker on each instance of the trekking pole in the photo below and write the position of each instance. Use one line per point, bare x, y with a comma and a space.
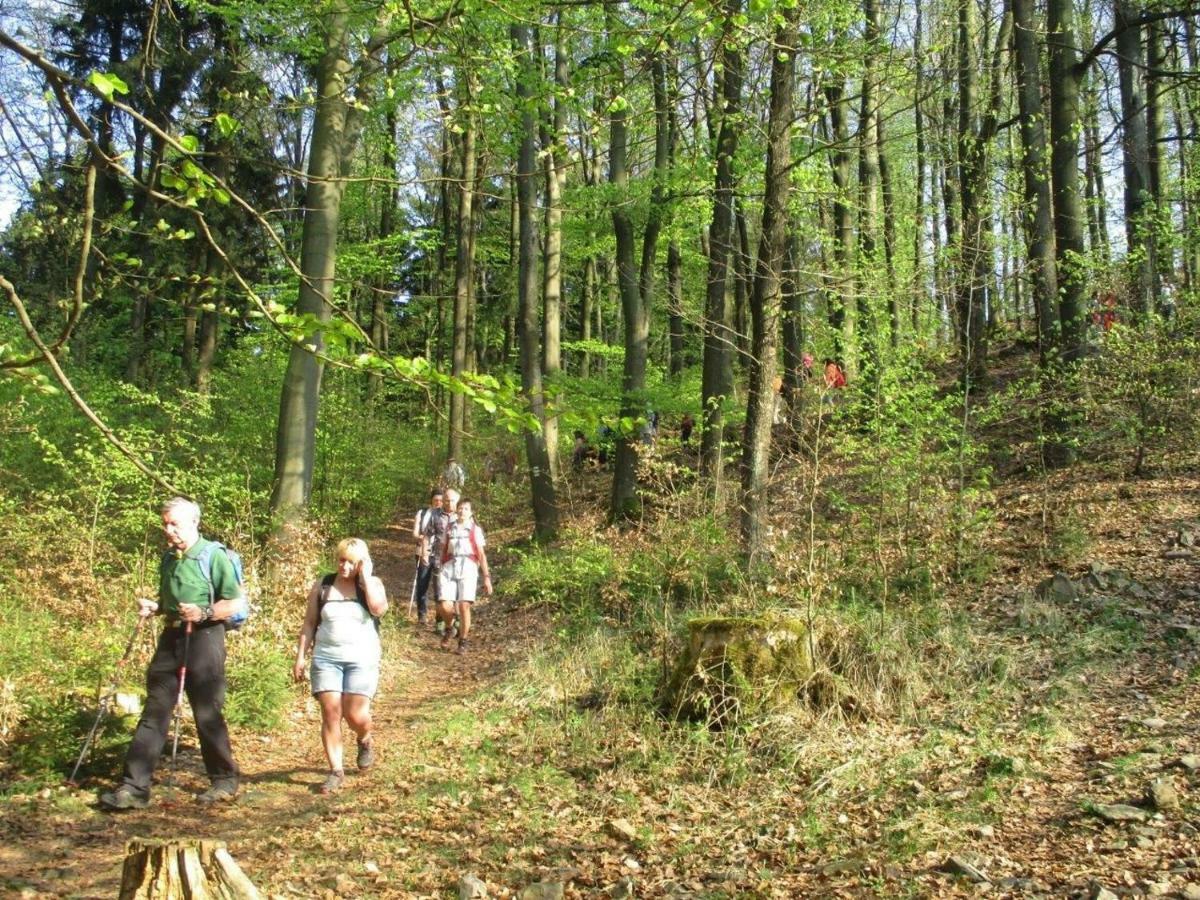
106, 700
412, 595
187, 641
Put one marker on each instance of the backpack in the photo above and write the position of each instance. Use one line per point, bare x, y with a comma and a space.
360, 595
204, 561
475, 552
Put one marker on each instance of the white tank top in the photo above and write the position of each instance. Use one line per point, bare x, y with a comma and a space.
346, 632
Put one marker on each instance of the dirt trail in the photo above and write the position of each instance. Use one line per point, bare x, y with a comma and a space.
58, 844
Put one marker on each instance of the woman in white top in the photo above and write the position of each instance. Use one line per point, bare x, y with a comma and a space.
341, 624
463, 560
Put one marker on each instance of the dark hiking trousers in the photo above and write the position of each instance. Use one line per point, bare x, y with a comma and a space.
424, 577
205, 689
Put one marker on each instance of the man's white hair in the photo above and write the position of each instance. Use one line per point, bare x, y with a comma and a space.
185, 504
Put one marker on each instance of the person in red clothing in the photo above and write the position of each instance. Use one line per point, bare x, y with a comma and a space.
835, 378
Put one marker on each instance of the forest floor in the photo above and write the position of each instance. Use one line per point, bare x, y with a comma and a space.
1091, 698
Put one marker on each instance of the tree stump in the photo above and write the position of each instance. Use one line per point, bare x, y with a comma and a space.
183, 868
735, 665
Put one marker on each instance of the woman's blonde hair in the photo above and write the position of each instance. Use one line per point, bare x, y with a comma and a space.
353, 549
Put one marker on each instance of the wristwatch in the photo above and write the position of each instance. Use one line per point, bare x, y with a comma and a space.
208, 613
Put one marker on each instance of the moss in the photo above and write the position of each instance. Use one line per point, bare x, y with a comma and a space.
737, 665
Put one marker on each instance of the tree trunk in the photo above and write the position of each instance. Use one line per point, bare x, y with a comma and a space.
1064, 171
556, 175
182, 869
841, 320
766, 298
636, 286
1135, 155
541, 481
918, 276
1036, 209
464, 262
717, 374
295, 439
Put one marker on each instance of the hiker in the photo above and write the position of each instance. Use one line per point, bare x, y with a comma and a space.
432, 540
424, 566
582, 451
454, 475
686, 424
188, 595
835, 378
463, 560
341, 624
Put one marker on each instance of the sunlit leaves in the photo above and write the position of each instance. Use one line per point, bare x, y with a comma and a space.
107, 84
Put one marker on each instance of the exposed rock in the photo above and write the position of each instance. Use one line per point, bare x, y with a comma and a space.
1162, 795
471, 888
1184, 631
1186, 538
1178, 554
1157, 888
1154, 723
1058, 589
966, 865
622, 830
848, 866
1190, 762
622, 890
346, 886
733, 665
1190, 891
1100, 892
542, 890
632, 864
1120, 812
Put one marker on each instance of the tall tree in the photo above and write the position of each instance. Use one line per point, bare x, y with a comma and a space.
1037, 211
717, 373
541, 481
766, 298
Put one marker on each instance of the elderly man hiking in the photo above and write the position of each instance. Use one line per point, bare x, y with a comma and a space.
198, 591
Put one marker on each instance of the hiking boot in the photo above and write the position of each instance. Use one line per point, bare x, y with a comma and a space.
462, 646
366, 754
333, 782
123, 798
220, 792
446, 640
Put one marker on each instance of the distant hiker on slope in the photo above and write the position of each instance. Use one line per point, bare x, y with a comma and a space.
463, 560
198, 591
341, 624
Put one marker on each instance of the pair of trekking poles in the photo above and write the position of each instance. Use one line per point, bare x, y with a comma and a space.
110, 694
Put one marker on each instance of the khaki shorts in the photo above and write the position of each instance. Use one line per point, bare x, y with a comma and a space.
458, 590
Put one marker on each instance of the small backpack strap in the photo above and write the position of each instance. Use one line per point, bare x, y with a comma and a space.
323, 597
475, 543
204, 561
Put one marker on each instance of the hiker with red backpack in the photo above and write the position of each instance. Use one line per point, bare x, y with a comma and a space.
341, 625
463, 561
200, 593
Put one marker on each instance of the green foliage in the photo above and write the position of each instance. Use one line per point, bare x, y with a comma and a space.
259, 684
1141, 391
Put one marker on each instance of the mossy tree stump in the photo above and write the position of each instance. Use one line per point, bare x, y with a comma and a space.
735, 665
183, 868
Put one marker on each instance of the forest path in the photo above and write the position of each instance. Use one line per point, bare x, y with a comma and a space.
59, 844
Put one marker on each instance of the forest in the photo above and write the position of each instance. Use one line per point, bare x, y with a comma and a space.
824, 374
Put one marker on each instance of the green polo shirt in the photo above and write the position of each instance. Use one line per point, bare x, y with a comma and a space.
182, 581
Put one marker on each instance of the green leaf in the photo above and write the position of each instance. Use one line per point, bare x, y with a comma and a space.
190, 143
107, 84
226, 124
